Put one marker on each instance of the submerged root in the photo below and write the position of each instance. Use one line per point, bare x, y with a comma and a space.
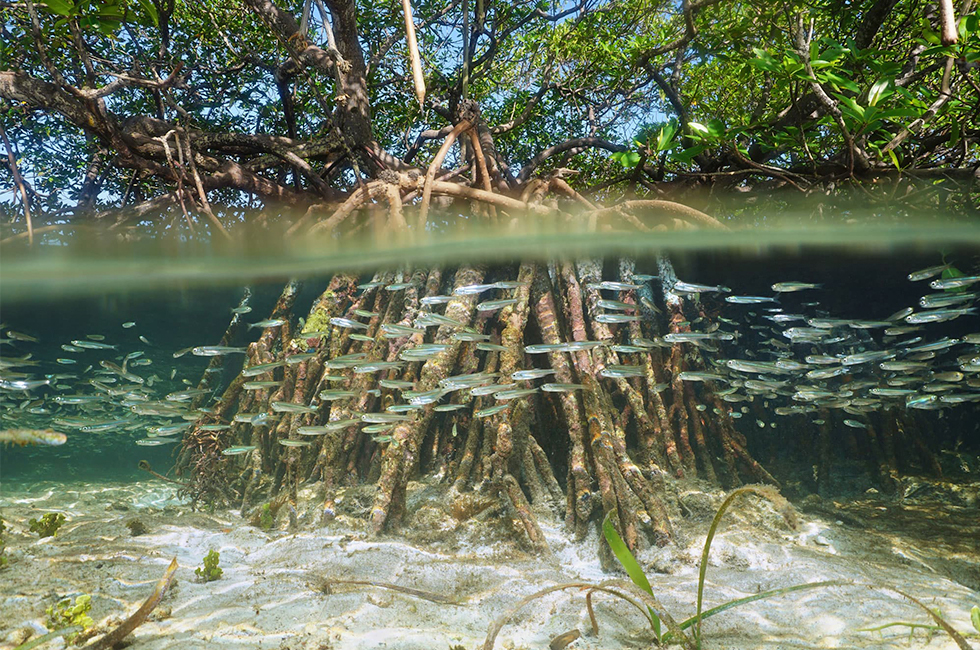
569, 450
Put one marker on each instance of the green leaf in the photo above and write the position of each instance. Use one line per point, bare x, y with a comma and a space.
891, 154
975, 617
842, 82
852, 104
59, 7
687, 155
700, 128
666, 136
878, 91
764, 61
633, 569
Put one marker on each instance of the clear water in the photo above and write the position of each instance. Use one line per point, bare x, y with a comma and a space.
181, 295
186, 301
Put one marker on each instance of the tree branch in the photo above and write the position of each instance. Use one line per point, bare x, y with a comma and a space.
574, 143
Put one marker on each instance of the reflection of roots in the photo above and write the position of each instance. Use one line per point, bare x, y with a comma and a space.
611, 443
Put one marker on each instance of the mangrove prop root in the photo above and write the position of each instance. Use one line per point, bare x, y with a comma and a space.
589, 434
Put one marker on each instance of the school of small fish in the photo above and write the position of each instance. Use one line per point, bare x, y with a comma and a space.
798, 362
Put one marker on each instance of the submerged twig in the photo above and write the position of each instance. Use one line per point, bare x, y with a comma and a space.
111, 639
145, 466
325, 587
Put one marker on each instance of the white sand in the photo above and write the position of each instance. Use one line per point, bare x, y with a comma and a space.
268, 596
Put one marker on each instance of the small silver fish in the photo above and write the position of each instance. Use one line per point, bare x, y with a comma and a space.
399, 286
92, 345
262, 368
617, 318
536, 373
493, 305
561, 388
619, 371
435, 300
215, 350
493, 410
472, 289
269, 322
955, 283
748, 300
347, 323
786, 287
609, 285
238, 451
288, 407
925, 274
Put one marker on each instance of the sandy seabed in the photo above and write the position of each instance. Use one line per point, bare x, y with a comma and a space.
270, 594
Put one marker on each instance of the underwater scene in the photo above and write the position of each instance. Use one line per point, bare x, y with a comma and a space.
750, 444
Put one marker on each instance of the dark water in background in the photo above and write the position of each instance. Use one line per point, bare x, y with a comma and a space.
860, 282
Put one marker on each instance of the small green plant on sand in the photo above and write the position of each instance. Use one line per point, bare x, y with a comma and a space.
48, 524
68, 613
975, 617
210, 571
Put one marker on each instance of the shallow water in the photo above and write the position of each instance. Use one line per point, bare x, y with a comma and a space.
923, 538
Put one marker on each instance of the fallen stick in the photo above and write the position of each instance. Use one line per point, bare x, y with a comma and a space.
139, 616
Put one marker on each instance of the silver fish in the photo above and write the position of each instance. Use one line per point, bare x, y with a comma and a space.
786, 287
687, 287
472, 289
471, 337
334, 394
618, 371
435, 300
561, 388
238, 451
215, 350
348, 323
617, 318
613, 286
938, 315
400, 286
616, 305
287, 442
493, 388
399, 331
955, 283
91, 345
270, 322
493, 305
262, 368
536, 373
700, 376
748, 300
493, 410
288, 407
505, 395
925, 274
